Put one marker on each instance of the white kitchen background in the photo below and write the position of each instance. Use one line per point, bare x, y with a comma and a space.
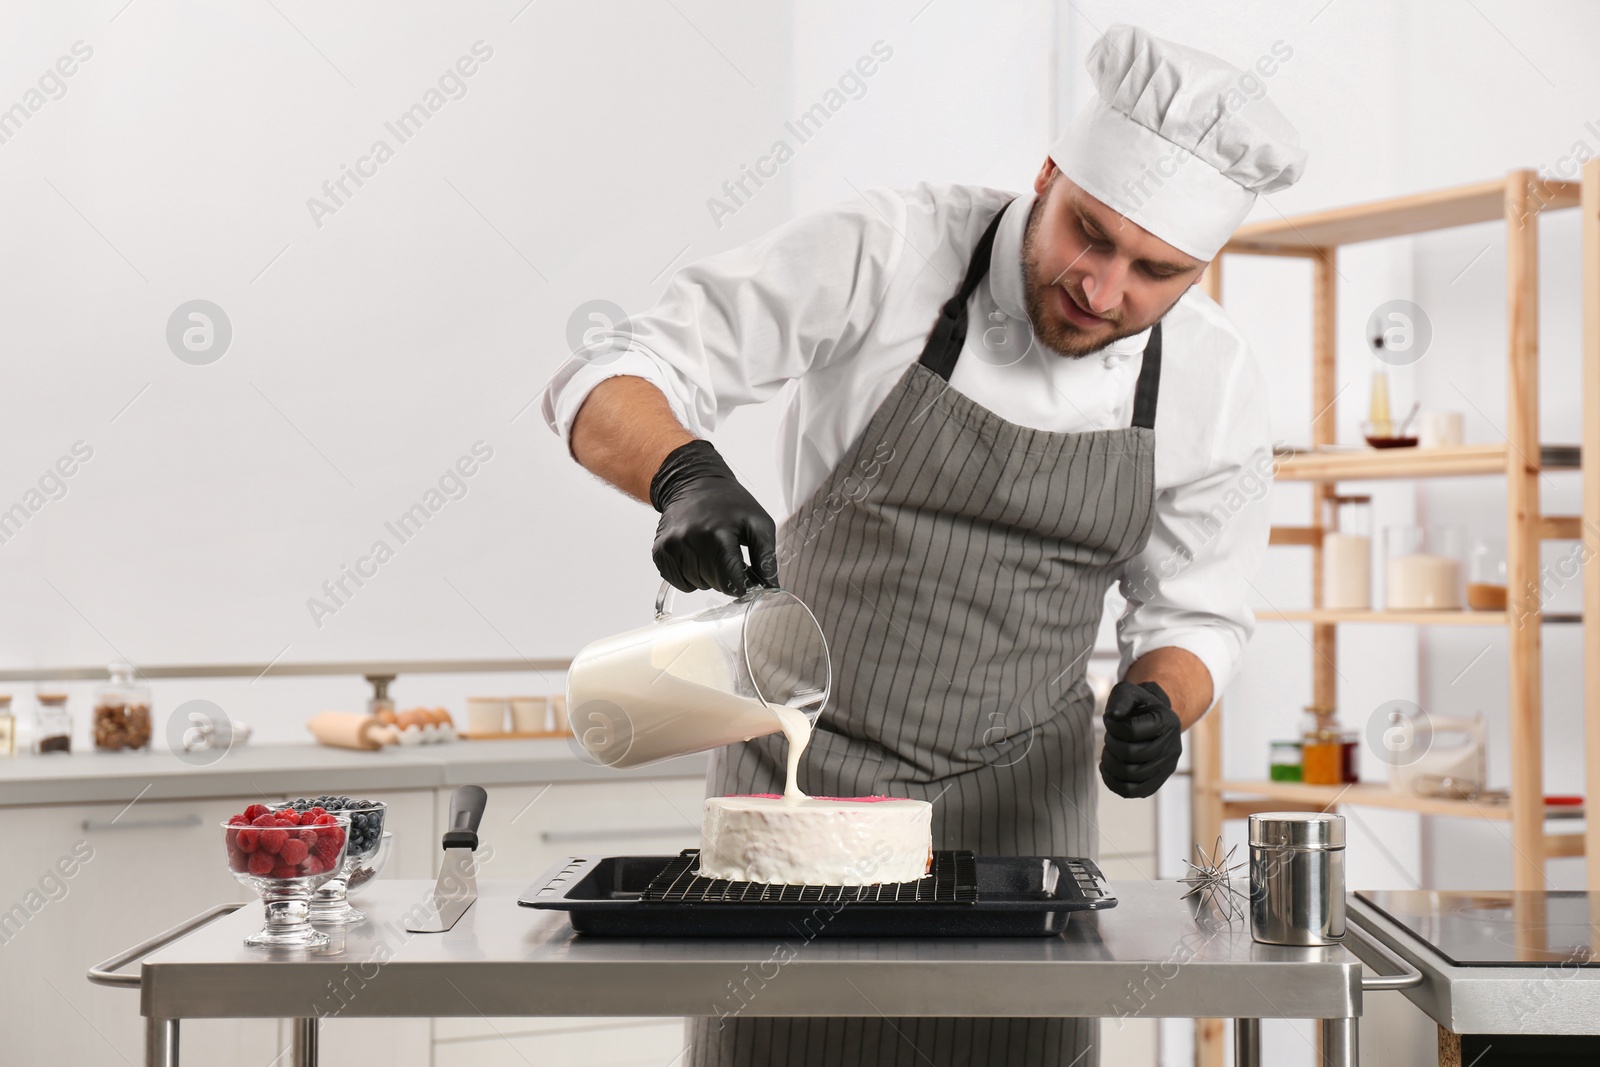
378, 337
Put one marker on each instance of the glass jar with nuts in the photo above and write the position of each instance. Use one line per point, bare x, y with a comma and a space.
121, 711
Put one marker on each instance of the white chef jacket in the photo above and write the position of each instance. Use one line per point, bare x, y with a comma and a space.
806, 303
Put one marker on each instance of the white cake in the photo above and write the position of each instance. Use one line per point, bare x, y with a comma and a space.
816, 840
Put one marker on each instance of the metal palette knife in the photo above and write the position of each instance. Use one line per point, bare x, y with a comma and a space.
457, 887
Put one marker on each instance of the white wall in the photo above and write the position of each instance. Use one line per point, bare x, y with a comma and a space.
369, 352
377, 348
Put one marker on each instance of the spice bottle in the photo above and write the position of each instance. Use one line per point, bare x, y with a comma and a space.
1321, 749
53, 733
1349, 758
1347, 553
1283, 761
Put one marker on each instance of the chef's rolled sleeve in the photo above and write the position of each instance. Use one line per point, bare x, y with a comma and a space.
734, 328
577, 378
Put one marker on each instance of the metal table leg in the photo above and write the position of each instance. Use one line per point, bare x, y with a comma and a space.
160, 1035
1339, 1045
304, 1043
161, 1043
1247, 1042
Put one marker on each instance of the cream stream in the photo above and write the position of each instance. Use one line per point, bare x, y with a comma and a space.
797, 728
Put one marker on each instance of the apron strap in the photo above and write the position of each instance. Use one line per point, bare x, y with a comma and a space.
949, 333
1149, 386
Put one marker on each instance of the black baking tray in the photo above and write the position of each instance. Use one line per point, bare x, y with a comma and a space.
952, 878
1018, 896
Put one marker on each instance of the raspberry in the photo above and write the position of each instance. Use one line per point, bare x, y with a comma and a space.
263, 820
293, 852
285, 871
290, 814
238, 861
255, 811
325, 820
325, 849
260, 863
287, 820
273, 840
239, 820
313, 812
249, 840
313, 865
307, 835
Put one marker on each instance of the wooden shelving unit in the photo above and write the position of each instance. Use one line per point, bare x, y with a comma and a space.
1324, 617
1370, 464
1322, 797
1518, 200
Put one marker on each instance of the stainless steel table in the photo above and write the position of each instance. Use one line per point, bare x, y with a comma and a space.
1148, 957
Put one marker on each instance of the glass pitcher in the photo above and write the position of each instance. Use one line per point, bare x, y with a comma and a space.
690, 683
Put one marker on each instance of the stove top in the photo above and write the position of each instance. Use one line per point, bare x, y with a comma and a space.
1498, 928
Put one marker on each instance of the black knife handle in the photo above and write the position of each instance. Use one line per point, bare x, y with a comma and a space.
466, 811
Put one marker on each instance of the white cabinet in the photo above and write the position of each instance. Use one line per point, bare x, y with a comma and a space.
80, 883
135, 871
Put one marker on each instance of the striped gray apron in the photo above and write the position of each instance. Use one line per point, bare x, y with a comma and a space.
959, 572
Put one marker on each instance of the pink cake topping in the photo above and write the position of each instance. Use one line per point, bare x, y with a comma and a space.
850, 800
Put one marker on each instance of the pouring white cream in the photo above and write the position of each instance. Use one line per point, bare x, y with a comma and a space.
797, 729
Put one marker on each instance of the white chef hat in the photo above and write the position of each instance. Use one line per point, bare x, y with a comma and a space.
1177, 140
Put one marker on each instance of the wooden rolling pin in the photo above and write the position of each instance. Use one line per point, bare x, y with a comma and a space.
351, 729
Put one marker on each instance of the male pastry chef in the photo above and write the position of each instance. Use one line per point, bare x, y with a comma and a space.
1003, 405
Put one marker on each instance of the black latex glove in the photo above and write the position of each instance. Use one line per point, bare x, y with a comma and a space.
705, 516
1144, 739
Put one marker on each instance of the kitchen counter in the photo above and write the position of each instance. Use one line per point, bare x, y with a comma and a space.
250, 770
1148, 957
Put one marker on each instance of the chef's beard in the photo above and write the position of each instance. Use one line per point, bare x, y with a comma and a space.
1056, 333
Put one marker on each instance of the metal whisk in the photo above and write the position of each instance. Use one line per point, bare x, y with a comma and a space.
1212, 880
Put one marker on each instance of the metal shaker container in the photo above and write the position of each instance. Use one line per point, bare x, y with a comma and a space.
1297, 877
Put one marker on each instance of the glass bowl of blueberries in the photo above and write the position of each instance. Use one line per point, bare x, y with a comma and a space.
364, 855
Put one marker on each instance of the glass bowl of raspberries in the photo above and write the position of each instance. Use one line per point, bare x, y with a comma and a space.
329, 905
285, 856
